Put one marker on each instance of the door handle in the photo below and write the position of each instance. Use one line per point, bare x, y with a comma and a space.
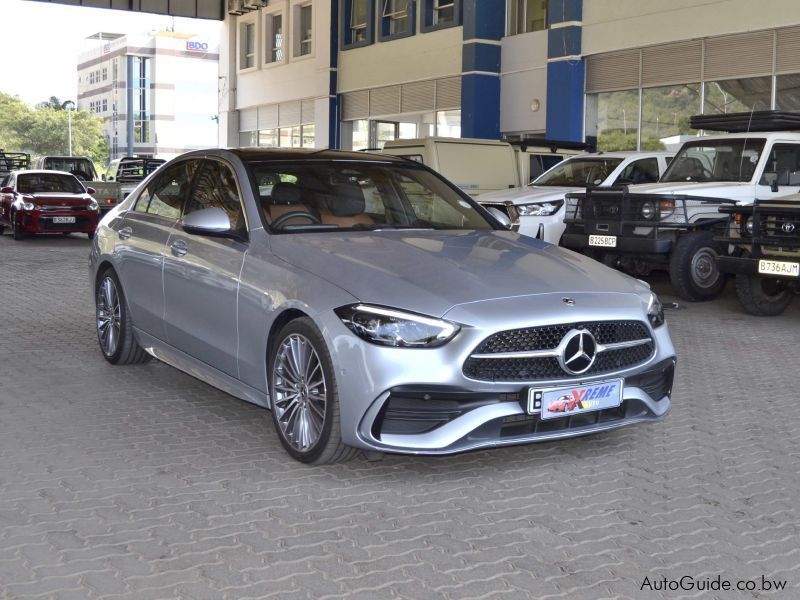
125, 233
179, 248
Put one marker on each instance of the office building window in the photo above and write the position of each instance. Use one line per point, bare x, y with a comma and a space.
105, 105
397, 19
304, 32
357, 23
91, 78
274, 35
247, 45
105, 73
439, 14
526, 15
141, 99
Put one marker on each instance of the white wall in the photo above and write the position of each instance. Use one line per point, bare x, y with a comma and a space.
523, 79
421, 56
617, 24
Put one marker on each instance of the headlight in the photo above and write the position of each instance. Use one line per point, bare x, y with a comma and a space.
655, 311
93, 205
28, 206
748, 226
648, 211
388, 327
540, 209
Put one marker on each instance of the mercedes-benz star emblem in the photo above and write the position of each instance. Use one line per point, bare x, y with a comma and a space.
580, 350
788, 227
568, 301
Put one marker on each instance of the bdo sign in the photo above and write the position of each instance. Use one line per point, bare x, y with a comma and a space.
196, 46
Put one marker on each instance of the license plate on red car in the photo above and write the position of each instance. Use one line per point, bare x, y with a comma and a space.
63, 219
556, 402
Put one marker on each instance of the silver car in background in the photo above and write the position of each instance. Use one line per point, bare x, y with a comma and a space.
372, 305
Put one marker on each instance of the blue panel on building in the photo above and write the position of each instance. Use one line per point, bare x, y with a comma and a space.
480, 106
480, 57
484, 19
565, 100
561, 11
563, 41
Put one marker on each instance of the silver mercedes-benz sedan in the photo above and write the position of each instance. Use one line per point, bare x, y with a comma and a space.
372, 306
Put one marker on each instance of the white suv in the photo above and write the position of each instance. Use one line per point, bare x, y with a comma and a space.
539, 207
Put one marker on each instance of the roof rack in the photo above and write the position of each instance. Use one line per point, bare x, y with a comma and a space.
754, 122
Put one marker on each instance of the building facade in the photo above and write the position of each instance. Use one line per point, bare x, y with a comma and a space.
622, 74
157, 93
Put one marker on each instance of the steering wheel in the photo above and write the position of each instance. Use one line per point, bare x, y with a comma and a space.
293, 215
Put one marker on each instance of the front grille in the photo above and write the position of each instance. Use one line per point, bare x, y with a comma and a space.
548, 338
773, 230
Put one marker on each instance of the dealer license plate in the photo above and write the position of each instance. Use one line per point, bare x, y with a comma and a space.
778, 267
63, 219
604, 241
553, 403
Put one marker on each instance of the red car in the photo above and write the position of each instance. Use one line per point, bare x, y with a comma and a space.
566, 403
46, 202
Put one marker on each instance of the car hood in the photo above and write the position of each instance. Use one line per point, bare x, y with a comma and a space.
59, 199
432, 271
712, 189
529, 194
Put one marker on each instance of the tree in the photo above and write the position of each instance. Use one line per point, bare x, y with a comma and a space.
43, 130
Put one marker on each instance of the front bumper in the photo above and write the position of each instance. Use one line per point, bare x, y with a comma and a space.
548, 229
37, 221
420, 402
749, 266
625, 245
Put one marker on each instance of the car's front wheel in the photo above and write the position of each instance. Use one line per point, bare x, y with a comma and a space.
693, 267
15, 232
762, 296
114, 326
304, 397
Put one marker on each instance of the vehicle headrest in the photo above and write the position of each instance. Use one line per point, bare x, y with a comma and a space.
346, 200
286, 193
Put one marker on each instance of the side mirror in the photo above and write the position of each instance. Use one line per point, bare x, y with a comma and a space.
207, 221
500, 216
7, 190
91, 191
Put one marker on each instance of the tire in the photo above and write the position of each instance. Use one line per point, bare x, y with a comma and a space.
113, 323
693, 267
2, 229
90, 235
762, 296
298, 409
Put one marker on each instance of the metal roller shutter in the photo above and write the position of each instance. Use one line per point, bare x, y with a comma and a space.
307, 112
268, 116
289, 113
418, 96
248, 119
742, 55
788, 50
672, 63
448, 93
355, 105
614, 71
384, 100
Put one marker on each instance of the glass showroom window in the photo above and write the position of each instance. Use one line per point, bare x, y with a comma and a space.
613, 117
666, 111
275, 37
359, 15
247, 44
268, 138
394, 18
308, 136
737, 95
787, 92
359, 136
526, 15
448, 123
305, 33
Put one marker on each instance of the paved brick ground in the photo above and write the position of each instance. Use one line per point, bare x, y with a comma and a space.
142, 482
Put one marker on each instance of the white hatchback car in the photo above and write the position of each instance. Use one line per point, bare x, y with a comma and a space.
539, 206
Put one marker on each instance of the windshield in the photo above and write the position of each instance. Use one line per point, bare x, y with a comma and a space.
37, 183
314, 195
579, 172
80, 167
715, 160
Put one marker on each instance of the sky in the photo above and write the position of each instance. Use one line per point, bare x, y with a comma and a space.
40, 43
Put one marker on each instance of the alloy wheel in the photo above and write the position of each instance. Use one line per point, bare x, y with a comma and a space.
299, 392
108, 316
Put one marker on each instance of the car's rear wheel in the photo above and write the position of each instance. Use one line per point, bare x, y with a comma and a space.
693, 269
114, 326
762, 296
304, 397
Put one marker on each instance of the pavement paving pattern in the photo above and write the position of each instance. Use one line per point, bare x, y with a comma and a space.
142, 482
